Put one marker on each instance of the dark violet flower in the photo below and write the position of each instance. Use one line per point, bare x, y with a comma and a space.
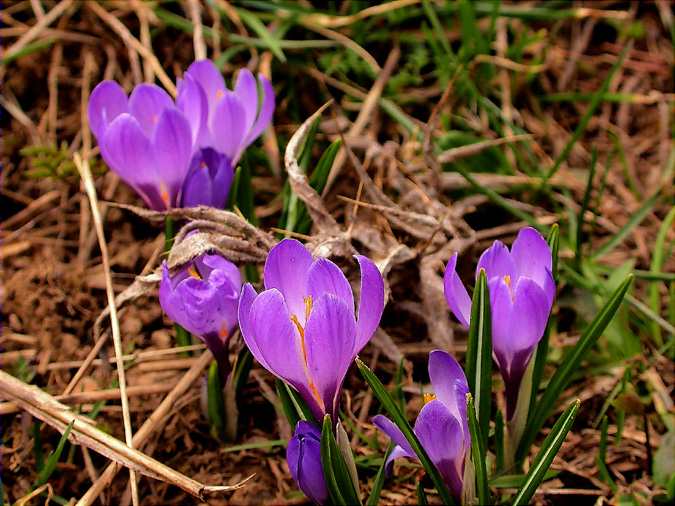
304, 461
203, 297
522, 290
145, 139
441, 426
208, 181
302, 327
225, 120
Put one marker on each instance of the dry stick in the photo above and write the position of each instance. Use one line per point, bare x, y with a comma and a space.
37, 28
85, 174
337, 21
97, 395
365, 114
44, 407
133, 42
198, 32
149, 426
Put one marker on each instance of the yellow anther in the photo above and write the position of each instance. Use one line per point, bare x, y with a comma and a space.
507, 280
192, 271
308, 306
428, 397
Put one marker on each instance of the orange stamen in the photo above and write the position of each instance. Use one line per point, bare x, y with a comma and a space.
428, 398
192, 271
303, 347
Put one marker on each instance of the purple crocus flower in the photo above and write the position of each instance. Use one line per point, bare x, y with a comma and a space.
225, 120
304, 461
302, 327
145, 139
202, 297
522, 290
441, 426
208, 180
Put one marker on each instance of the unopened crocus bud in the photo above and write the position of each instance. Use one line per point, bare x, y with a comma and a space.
304, 461
522, 290
202, 297
208, 181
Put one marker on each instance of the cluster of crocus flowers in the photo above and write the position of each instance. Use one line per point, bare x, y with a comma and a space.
180, 153
522, 290
203, 296
303, 327
441, 426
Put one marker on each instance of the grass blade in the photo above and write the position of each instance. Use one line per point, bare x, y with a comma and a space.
634, 221
53, 459
421, 495
397, 416
479, 356
655, 268
564, 373
590, 111
338, 478
546, 454
477, 453
378, 482
584, 207
293, 406
327, 465
258, 27
603, 471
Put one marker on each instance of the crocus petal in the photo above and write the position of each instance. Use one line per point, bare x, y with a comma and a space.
390, 429
396, 453
286, 270
455, 294
106, 102
326, 277
207, 75
519, 320
246, 299
219, 263
450, 385
441, 436
197, 188
208, 180
371, 302
126, 150
191, 100
304, 461
172, 151
146, 103
329, 341
266, 111
497, 262
533, 259
227, 125
271, 337
246, 89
